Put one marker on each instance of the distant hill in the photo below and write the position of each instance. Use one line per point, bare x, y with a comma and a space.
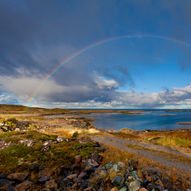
19, 109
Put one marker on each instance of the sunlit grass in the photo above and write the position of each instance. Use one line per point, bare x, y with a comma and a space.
174, 141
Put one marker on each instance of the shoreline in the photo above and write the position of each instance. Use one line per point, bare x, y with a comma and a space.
168, 151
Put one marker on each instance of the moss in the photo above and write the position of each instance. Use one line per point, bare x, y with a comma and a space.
19, 156
10, 157
153, 138
39, 136
84, 149
125, 135
12, 136
75, 135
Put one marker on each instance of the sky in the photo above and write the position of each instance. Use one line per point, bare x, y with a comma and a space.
96, 53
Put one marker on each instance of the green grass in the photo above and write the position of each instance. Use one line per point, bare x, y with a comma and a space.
174, 141
18, 157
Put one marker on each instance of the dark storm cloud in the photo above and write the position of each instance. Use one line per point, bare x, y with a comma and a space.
36, 35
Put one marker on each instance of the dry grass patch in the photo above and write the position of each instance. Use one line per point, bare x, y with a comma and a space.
181, 179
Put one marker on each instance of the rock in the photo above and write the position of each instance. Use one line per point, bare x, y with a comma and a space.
123, 188
96, 157
4, 182
148, 178
103, 173
134, 185
43, 179
72, 176
133, 164
89, 164
114, 189
151, 186
36, 167
18, 176
143, 189
145, 183
30, 143
93, 163
88, 188
63, 171
84, 185
109, 165
45, 148
47, 172
117, 181
7, 187
158, 182
64, 182
82, 175
59, 139
150, 171
117, 167
130, 178
24, 186
77, 159
74, 186
134, 175
27, 142
2, 176
51, 184
46, 143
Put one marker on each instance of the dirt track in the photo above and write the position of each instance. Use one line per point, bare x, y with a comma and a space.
151, 152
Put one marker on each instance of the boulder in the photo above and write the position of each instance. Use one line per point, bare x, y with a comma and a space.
36, 167
20, 176
77, 159
43, 179
24, 186
51, 184
123, 188
117, 181
72, 176
2, 176
59, 139
143, 189
134, 185
114, 189
4, 182
82, 175
47, 172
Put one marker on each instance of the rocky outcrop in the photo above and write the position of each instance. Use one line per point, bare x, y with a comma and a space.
87, 175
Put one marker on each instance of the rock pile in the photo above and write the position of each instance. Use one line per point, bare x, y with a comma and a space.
13, 124
75, 177
86, 175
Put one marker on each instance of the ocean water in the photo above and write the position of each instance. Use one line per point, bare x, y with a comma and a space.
157, 120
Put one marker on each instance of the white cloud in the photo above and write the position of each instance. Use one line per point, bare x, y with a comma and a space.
103, 83
52, 94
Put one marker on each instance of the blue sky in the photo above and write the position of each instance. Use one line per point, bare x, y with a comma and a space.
149, 71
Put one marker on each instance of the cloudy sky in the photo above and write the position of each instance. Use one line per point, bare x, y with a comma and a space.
96, 53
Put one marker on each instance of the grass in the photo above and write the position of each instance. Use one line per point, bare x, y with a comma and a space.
176, 138
174, 141
19, 157
115, 154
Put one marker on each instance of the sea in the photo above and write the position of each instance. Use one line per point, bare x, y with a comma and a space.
146, 120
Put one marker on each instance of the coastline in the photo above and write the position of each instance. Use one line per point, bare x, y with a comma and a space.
168, 151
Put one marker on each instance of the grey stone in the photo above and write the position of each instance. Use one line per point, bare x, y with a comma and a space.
43, 179
118, 181
134, 185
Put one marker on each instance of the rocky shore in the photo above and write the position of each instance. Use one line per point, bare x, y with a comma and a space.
87, 175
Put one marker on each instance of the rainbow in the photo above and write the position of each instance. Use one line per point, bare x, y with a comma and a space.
94, 45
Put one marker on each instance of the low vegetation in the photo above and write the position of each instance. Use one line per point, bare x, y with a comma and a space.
19, 155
